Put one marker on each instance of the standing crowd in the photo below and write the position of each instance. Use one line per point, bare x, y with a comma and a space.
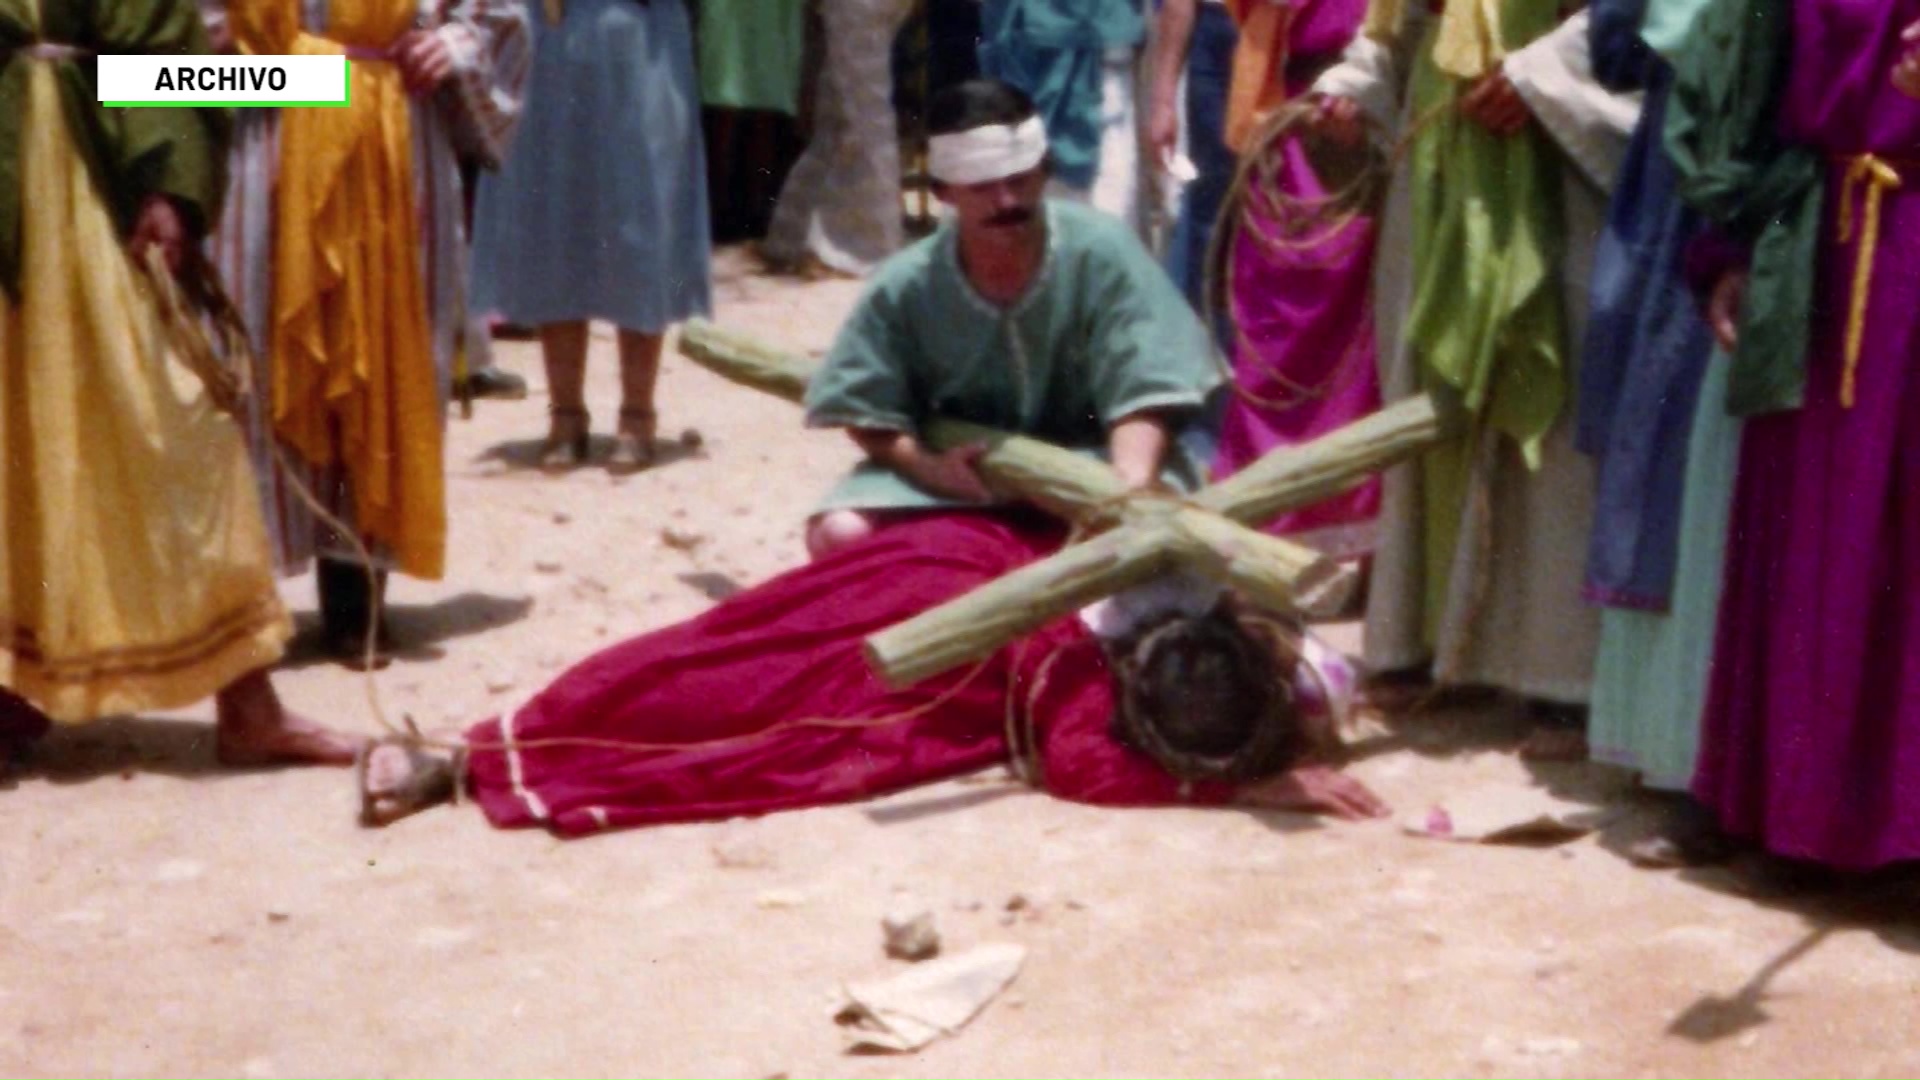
1644, 255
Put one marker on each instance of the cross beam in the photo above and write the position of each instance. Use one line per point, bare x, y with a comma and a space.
1148, 534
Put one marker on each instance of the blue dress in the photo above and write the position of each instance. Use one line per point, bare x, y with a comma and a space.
1652, 413
600, 211
1646, 347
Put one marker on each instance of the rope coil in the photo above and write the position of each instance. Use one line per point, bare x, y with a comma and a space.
1303, 230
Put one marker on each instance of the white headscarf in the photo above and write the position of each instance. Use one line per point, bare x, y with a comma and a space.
988, 152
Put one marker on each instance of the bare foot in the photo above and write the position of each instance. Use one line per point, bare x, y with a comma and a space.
254, 728
388, 768
397, 780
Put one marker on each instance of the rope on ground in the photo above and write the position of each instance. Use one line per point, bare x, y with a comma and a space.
840, 722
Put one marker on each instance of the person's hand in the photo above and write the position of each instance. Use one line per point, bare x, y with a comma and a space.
954, 473
1906, 73
1338, 119
1163, 131
424, 59
158, 224
1316, 789
1494, 104
1723, 308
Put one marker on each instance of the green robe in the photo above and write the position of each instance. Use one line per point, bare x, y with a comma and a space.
132, 153
1487, 317
1477, 572
1737, 171
1099, 335
1488, 325
750, 54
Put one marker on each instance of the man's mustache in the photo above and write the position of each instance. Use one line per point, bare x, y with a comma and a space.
1019, 215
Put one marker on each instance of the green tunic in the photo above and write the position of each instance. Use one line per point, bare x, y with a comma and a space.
1488, 323
132, 153
1100, 334
1487, 319
750, 54
1737, 170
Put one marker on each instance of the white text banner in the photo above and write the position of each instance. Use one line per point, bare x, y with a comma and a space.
273, 81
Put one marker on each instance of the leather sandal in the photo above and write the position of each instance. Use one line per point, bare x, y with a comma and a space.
568, 428
633, 443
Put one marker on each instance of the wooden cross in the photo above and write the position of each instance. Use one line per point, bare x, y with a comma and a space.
1147, 534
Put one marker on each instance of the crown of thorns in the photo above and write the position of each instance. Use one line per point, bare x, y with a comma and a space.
1260, 655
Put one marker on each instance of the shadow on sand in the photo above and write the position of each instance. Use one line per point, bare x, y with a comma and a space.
523, 455
1885, 903
125, 745
417, 629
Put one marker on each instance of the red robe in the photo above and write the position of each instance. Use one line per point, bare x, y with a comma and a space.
790, 650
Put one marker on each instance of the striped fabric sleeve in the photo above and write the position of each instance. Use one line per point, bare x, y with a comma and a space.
491, 52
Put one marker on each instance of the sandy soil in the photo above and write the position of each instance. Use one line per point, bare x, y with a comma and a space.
158, 916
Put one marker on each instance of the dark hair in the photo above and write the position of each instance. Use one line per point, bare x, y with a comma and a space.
1208, 697
976, 103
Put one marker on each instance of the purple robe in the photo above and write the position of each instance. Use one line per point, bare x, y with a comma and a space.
1302, 344
1811, 743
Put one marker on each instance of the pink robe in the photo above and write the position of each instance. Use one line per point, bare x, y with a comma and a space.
1301, 335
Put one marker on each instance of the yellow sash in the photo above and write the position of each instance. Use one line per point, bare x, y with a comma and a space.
351, 343
1874, 176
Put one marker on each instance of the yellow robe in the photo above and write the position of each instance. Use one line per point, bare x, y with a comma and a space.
135, 573
351, 344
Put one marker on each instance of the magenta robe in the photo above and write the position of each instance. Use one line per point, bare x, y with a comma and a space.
720, 695
1301, 339
1811, 742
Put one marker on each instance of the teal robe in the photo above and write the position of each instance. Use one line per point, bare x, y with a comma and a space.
1100, 334
1738, 170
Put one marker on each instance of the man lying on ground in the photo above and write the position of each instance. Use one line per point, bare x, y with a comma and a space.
766, 702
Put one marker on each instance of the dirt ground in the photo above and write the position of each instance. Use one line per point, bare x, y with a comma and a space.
159, 916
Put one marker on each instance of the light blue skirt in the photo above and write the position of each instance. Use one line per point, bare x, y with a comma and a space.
600, 211
1650, 679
